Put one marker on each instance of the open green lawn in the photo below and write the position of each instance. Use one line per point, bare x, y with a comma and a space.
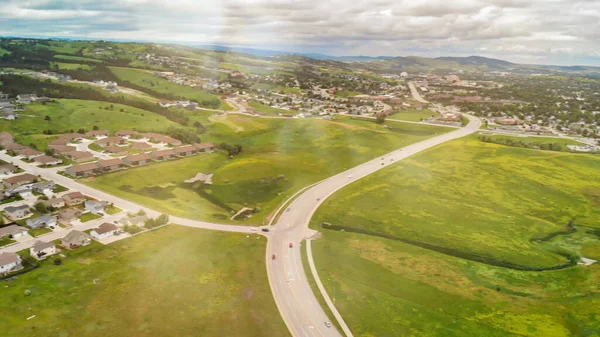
412, 115
174, 281
259, 107
147, 80
529, 142
39, 231
70, 66
475, 197
89, 217
6, 241
113, 210
76, 58
279, 157
67, 114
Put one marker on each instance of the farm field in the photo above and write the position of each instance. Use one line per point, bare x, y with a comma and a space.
67, 114
76, 58
279, 157
132, 287
147, 80
542, 142
70, 66
412, 115
259, 107
475, 197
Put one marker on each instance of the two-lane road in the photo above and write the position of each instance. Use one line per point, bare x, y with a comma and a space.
294, 297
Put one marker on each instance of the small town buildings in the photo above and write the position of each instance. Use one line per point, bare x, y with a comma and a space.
9, 262
116, 150
96, 134
8, 169
183, 151
13, 147
13, 231
104, 231
55, 203
126, 133
43, 187
140, 145
20, 180
109, 165
75, 239
95, 207
79, 156
204, 147
67, 215
47, 160
82, 170
41, 250
17, 212
26, 99
28, 153
42, 221
137, 159
163, 154
74, 198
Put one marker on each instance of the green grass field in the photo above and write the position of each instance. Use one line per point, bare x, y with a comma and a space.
412, 115
66, 114
174, 281
259, 107
76, 58
147, 80
279, 157
530, 141
70, 66
473, 197
481, 198
346, 93
3, 52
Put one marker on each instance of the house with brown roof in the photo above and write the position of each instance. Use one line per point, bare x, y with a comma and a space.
13, 147
137, 159
55, 203
153, 137
6, 138
47, 160
109, 165
103, 231
204, 147
74, 198
126, 133
171, 141
140, 145
13, 231
58, 142
67, 215
79, 156
111, 141
116, 150
96, 133
82, 170
8, 169
163, 154
75, 239
71, 136
28, 153
186, 150
20, 180
9, 262
62, 149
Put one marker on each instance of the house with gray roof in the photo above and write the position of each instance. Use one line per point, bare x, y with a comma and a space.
41, 250
75, 239
13, 231
43, 186
9, 262
45, 220
17, 212
95, 207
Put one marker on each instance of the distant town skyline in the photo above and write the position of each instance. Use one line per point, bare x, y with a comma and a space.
557, 32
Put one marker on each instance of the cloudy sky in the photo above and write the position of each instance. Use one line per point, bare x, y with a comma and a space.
528, 31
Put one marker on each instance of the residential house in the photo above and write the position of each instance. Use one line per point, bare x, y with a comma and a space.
46, 220
116, 150
109, 165
9, 114
17, 212
9, 262
163, 154
55, 203
41, 250
186, 150
96, 134
111, 141
67, 215
8, 169
79, 156
21, 179
126, 133
153, 137
6, 138
71, 136
204, 147
26, 99
13, 231
75, 239
62, 149
58, 143
171, 141
82, 170
47, 160
22, 190
45, 187
43, 99
139, 220
103, 231
13, 147
95, 207
140, 145
29, 153
137, 159
74, 198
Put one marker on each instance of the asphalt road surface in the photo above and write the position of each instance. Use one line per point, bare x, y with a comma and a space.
294, 297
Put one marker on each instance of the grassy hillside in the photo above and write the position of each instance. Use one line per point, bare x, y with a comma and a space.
131, 288
69, 66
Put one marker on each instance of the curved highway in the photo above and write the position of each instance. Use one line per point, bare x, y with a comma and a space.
296, 302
